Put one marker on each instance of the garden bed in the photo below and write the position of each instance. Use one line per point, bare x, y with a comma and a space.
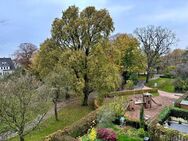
170, 125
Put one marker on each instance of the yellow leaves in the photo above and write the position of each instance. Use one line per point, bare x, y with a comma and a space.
121, 44
93, 134
128, 54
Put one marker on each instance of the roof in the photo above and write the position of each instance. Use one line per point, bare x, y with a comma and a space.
147, 94
7, 62
184, 102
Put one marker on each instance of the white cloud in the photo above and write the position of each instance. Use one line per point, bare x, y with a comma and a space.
84, 3
65, 3
172, 15
116, 9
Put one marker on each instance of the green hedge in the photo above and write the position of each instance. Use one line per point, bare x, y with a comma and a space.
159, 133
135, 124
131, 92
178, 112
172, 111
164, 115
78, 128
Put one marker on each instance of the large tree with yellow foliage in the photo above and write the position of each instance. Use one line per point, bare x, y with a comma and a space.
128, 55
82, 48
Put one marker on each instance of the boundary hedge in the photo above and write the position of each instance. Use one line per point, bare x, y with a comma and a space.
172, 111
131, 92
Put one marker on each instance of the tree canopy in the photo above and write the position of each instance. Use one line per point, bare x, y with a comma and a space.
23, 55
155, 41
23, 104
79, 44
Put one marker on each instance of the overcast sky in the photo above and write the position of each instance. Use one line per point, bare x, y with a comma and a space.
30, 20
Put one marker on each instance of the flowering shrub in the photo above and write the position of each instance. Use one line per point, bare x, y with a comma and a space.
106, 134
92, 134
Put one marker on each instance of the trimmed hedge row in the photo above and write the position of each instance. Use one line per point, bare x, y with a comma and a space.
171, 111
78, 128
131, 92
178, 112
164, 115
135, 124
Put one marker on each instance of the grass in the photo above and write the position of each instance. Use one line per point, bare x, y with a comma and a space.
164, 84
67, 116
142, 77
155, 94
126, 138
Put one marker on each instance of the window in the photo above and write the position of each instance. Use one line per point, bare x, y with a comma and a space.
4, 63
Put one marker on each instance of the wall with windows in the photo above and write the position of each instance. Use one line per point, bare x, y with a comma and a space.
5, 70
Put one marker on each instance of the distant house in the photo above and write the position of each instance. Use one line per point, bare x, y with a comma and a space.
6, 66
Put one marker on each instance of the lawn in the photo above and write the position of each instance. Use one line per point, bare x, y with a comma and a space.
155, 94
126, 138
67, 116
164, 84
142, 77
120, 138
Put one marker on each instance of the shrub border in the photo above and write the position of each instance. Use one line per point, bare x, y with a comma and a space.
131, 92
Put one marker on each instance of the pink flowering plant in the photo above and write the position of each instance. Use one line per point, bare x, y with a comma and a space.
106, 134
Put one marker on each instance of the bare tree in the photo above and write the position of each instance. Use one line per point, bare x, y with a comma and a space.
155, 41
24, 54
22, 107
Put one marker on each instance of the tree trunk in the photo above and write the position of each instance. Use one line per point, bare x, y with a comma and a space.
125, 77
55, 110
55, 100
67, 96
148, 72
21, 137
86, 90
147, 76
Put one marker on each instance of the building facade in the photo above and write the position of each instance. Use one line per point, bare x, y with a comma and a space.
6, 66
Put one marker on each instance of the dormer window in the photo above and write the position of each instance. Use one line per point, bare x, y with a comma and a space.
4, 63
